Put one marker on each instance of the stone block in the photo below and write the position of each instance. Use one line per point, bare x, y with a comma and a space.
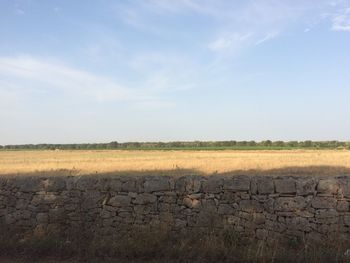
290, 204
191, 203
129, 186
347, 220
208, 205
345, 186
225, 209
157, 185
268, 205
265, 185
327, 213
285, 186
259, 218
142, 209
22, 204
110, 184
146, 198
212, 185
55, 184
323, 202
120, 201
328, 186
182, 185
250, 206
237, 183
29, 184
86, 183
306, 186
343, 206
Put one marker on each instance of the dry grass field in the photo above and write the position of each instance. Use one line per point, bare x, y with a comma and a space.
323, 162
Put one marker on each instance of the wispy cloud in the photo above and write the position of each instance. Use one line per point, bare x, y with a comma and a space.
18, 10
157, 75
239, 25
36, 75
230, 43
165, 72
341, 20
267, 37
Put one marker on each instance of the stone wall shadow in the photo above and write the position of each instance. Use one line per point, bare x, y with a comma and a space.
310, 170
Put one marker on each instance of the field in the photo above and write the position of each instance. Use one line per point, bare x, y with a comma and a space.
323, 162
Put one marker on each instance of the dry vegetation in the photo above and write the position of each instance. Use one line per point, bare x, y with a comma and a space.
331, 162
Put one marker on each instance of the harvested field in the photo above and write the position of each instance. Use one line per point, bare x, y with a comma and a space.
323, 162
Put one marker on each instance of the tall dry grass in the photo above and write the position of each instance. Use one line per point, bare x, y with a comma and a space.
201, 162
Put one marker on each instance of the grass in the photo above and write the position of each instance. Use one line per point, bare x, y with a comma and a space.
328, 162
210, 245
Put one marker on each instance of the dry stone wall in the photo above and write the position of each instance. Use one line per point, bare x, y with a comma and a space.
260, 207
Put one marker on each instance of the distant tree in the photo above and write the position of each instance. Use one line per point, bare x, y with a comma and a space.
113, 145
251, 143
267, 143
292, 144
242, 143
278, 143
307, 144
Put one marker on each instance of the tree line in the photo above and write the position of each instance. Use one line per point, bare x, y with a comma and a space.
267, 144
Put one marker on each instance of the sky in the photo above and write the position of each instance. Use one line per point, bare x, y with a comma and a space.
163, 70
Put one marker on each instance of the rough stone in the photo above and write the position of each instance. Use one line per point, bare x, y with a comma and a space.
143, 199
285, 186
225, 209
191, 203
306, 186
265, 186
29, 184
250, 206
212, 185
328, 186
259, 218
289, 204
345, 186
120, 200
323, 202
129, 186
54, 184
156, 185
347, 220
343, 206
237, 183
326, 213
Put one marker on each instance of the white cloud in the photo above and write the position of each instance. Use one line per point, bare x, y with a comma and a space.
341, 20
157, 76
238, 25
229, 43
267, 37
165, 72
25, 73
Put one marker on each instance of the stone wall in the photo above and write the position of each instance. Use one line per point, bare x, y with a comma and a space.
261, 207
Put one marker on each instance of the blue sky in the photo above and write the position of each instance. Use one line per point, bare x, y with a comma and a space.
162, 70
